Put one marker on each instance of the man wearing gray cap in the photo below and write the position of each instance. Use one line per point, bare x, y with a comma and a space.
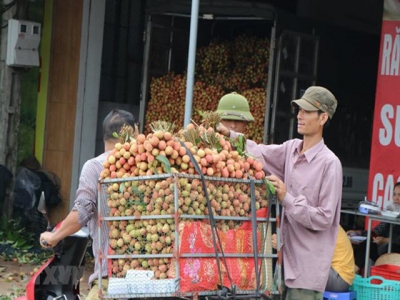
307, 177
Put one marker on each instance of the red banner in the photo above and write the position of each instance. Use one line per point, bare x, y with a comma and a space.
385, 148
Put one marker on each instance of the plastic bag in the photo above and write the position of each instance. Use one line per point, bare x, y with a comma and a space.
26, 184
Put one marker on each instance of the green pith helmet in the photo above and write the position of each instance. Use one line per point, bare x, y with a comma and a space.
234, 107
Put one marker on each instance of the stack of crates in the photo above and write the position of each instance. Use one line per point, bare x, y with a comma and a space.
164, 243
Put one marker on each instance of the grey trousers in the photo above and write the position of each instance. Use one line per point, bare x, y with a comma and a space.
336, 283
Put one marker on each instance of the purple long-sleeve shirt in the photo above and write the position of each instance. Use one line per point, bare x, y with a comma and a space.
311, 208
86, 204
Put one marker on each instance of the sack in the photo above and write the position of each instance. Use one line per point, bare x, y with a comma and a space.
26, 184
50, 183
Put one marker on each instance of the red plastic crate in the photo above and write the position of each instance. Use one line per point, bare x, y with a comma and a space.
391, 272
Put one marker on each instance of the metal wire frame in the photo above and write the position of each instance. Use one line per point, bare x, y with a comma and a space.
224, 292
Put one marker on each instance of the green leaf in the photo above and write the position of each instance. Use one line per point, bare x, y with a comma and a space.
142, 204
201, 113
115, 135
270, 187
241, 145
241, 139
135, 190
239, 150
165, 161
122, 187
18, 243
12, 235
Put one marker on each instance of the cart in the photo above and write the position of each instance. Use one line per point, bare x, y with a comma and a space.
181, 235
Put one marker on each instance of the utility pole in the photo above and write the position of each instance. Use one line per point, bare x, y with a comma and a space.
10, 98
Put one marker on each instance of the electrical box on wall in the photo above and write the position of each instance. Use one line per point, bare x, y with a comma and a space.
23, 43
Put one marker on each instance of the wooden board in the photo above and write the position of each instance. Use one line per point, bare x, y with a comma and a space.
62, 97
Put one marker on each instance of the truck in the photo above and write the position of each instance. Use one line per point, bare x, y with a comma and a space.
302, 52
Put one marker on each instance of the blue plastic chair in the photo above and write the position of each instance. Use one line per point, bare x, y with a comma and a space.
350, 295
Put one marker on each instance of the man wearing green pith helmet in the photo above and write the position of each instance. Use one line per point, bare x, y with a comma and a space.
235, 112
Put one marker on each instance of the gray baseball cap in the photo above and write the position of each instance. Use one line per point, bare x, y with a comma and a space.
317, 98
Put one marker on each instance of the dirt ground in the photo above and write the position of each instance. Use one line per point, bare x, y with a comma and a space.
14, 277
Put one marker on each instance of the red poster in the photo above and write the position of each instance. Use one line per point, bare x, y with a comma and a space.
385, 148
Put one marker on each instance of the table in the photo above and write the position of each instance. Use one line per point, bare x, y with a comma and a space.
370, 217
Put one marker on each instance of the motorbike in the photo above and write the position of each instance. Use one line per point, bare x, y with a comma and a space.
58, 278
